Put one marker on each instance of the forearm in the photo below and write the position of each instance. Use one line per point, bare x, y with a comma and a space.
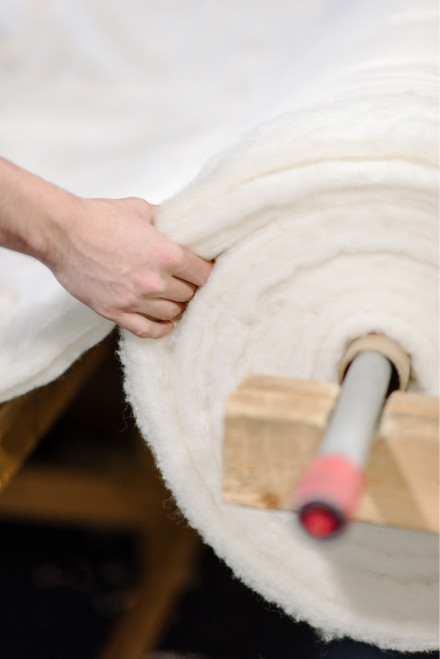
32, 212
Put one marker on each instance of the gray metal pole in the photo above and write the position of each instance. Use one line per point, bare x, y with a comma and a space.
358, 409
328, 493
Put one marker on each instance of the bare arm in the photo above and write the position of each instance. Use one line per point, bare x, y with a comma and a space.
105, 252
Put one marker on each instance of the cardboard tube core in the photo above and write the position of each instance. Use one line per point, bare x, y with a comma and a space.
383, 345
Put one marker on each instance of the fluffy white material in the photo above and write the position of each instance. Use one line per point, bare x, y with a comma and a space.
324, 225
43, 329
128, 98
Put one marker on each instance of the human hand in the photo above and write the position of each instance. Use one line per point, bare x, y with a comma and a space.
105, 252
111, 257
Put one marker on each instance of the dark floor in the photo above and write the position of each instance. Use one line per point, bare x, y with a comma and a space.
220, 618
62, 588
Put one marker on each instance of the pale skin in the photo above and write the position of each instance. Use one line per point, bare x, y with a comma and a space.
106, 252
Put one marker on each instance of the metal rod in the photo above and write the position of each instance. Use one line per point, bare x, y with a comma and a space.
330, 490
351, 427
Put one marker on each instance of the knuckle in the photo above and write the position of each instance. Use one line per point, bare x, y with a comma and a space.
189, 293
206, 273
121, 296
137, 326
161, 330
172, 258
143, 333
142, 327
169, 311
137, 203
168, 315
142, 286
141, 207
152, 330
154, 285
109, 312
128, 300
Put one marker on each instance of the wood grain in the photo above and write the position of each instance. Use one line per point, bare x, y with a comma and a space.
273, 427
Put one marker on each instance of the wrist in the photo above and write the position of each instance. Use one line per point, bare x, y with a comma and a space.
55, 213
34, 214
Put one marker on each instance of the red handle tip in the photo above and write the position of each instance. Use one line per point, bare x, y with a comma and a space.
320, 521
328, 494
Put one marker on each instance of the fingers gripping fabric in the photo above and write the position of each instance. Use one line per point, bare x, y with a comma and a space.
323, 224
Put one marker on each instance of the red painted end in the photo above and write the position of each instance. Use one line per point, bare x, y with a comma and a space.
320, 522
328, 495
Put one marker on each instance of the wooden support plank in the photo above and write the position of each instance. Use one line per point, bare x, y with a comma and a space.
169, 556
94, 474
25, 420
103, 494
46, 493
273, 427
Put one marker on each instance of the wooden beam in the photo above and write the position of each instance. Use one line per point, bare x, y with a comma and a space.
24, 420
169, 553
273, 427
95, 474
76, 496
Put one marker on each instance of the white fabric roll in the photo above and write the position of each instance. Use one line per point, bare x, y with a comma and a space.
324, 225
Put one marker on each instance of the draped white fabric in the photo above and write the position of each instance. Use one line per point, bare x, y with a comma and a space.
129, 98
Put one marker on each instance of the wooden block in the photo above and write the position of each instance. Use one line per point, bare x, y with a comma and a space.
273, 427
402, 472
